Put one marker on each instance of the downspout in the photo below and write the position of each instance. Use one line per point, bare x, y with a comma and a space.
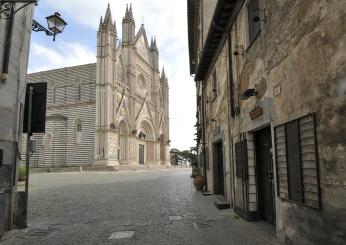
4, 77
231, 114
203, 141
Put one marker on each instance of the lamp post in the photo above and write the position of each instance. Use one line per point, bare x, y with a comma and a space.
56, 25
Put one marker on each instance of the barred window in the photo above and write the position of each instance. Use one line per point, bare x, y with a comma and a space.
214, 85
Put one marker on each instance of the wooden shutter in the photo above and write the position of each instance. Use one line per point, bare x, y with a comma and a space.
281, 162
296, 161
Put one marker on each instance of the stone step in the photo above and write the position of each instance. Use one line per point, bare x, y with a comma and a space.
221, 202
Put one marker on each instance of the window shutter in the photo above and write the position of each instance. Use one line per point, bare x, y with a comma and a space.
281, 162
296, 161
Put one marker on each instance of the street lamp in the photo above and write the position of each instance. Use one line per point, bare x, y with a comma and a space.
56, 24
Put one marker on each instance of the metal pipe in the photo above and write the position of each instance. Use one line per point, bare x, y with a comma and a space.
27, 160
203, 142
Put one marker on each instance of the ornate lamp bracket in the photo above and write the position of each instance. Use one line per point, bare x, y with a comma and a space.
7, 9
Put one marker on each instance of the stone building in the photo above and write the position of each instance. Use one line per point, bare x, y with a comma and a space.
271, 86
15, 31
114, 112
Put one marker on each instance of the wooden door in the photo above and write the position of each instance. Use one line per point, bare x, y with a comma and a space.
219, 186
265, 177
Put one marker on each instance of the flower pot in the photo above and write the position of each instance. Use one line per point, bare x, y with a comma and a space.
198, 182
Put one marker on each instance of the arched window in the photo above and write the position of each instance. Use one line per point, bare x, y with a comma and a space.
78, 125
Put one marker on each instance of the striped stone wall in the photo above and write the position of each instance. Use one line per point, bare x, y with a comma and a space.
70, 101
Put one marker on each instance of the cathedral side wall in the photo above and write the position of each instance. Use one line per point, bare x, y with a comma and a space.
70, 105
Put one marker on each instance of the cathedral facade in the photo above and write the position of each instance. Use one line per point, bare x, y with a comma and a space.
114, 112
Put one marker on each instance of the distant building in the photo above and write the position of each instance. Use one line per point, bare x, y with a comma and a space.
114, 112
271, 92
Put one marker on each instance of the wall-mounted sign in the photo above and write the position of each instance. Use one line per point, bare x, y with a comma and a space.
255, 113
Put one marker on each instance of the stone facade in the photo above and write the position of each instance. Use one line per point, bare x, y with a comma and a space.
114, 112
280, 85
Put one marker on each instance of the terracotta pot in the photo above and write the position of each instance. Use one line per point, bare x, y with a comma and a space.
198, 182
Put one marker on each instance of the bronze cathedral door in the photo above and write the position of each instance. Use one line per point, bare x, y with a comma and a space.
141, 154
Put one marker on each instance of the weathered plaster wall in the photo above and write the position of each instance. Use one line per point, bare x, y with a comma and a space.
298, 64
11, 97
218, 116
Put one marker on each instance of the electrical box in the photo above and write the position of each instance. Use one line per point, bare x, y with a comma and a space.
33, 146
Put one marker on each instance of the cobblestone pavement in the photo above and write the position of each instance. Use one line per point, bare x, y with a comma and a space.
155, 207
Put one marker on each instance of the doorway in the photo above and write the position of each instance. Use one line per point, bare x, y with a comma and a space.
265, 176
219, 185
141, 154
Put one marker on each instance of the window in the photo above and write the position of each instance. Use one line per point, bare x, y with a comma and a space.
214, 85
253, 15
79, 92
78, 125
54, 95
296, 161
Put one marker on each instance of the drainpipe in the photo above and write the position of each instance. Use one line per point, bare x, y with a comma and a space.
203, 142
3, 78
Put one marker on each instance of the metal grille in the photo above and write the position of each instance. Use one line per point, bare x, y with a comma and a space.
241, 159
296, 161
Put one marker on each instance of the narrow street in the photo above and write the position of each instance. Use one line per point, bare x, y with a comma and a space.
156, 207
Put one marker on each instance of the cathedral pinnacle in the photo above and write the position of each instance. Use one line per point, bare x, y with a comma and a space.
108, 18
153, 44
163, 74
128, 14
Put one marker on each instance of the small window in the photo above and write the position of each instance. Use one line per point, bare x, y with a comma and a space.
54, 95
214, 85
79, 92
253, 14
78, 131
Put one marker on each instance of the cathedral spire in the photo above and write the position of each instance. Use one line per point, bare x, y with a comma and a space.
163, 74
108, 16
153, 44
101, 22
128, 14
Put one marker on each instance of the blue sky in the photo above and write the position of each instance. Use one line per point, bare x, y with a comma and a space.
77, 45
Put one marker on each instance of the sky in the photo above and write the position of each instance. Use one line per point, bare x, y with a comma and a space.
167, 20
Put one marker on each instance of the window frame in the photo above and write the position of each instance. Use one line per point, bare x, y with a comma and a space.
250, 40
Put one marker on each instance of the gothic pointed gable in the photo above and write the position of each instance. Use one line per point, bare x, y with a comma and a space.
142, 44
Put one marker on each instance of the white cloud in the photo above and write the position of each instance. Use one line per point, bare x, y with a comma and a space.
64, 55
165, 19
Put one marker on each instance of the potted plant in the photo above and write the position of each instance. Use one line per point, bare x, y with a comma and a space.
21, 174
198, 179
